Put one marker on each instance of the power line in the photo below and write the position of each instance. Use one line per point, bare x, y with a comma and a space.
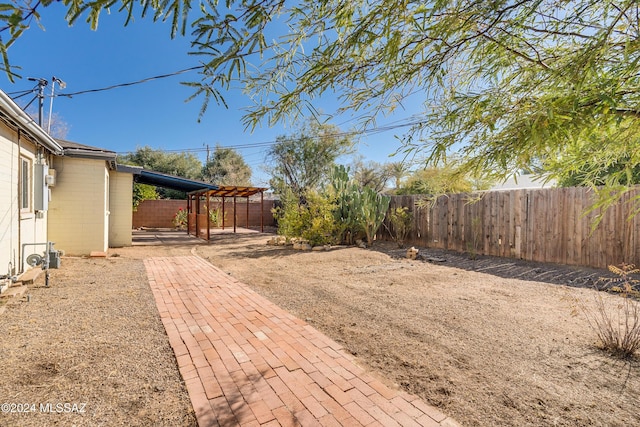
20, 93
137, 82
392, 126
371, 131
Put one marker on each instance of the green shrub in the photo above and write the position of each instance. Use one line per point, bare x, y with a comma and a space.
400, 219
320, 227
180, 219
289, 216
342, 214
143, 192
311, 220
215, 216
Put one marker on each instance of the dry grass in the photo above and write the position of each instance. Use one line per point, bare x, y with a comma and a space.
616, 321
94, 339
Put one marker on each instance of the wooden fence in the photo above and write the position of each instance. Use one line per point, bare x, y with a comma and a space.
546, 225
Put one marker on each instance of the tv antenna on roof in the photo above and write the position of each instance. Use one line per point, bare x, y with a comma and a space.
62, 85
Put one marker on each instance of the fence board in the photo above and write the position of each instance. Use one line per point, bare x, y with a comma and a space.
548, 225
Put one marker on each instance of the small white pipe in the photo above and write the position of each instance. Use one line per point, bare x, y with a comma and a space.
62, 84
53, 85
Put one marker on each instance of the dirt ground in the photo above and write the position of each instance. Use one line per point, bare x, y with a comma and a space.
486, 350
90, 350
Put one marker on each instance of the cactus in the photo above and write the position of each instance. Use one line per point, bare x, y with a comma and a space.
358, 210
347, 199
373, 208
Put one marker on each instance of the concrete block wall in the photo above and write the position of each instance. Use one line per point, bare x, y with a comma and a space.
78, 213
241, 213
159, 213
120, 189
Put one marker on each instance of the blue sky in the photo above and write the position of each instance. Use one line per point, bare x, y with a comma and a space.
153, 113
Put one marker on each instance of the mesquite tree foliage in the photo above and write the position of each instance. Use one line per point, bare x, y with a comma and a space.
505, 84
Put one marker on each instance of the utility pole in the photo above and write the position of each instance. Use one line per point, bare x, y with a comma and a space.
41, 85
207, 154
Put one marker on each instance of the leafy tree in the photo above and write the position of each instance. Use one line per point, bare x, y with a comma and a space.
180, 164
595, 175
227, 167
371, 174
582, 165
437, 181
304, 161
185, 165
143, 192
503, 81
58, 128
397, 171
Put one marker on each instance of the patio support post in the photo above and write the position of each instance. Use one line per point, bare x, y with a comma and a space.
223, 215
262, 212
197, 200
234, 213
247, 212
188, 212
208, 216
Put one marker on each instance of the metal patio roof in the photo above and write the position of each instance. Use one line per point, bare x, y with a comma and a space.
171, 181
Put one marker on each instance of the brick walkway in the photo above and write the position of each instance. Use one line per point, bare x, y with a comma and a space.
245, 361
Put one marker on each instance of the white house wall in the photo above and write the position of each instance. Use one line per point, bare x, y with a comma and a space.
18, 229
9, 212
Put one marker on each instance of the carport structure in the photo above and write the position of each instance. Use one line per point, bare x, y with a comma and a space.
199, 204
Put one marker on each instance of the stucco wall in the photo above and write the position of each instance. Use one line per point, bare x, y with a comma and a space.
17, 227
78, 215
120, 217
160, 213
157, 213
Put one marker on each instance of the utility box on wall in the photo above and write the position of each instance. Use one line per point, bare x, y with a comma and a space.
40, 188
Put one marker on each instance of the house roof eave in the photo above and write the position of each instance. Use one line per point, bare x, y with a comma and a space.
24, 122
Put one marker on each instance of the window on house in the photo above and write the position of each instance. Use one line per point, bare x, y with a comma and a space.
25, 184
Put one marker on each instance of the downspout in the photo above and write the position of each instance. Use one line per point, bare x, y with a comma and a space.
20, 263
12, 251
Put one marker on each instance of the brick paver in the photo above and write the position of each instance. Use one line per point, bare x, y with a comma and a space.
245, 361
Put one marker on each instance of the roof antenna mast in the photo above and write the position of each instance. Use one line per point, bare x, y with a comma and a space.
62, 85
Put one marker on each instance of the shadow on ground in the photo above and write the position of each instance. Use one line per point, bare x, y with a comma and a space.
509, 268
